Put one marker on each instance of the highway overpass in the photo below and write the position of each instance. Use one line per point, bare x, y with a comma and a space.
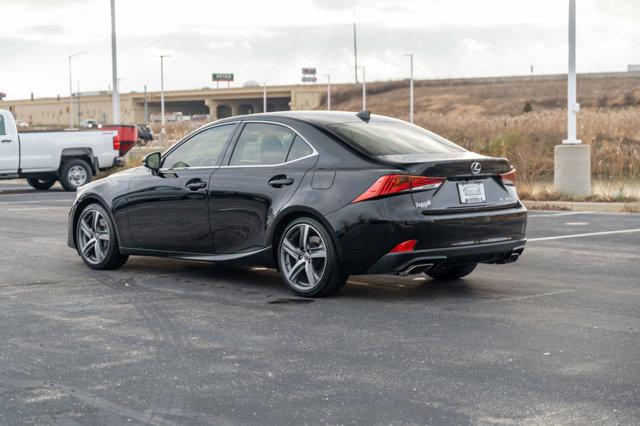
217, 103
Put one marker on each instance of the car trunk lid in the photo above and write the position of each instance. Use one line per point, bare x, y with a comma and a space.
469, 182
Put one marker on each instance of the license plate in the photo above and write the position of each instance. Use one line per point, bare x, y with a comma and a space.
471, 192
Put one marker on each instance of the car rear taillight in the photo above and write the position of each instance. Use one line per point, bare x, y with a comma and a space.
116, 143
404, 246
509, 178
394, 184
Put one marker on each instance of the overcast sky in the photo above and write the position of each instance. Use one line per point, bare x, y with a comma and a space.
271, 40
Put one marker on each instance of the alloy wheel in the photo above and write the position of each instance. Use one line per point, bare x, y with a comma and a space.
77, 175
303, 256
93, 236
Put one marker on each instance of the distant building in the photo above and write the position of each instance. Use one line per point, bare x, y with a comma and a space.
633, 67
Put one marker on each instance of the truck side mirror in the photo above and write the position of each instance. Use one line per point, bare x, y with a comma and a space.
152, 161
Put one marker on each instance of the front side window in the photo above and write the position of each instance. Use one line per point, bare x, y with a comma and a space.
2, 131
393, 138
201, 150
262, 144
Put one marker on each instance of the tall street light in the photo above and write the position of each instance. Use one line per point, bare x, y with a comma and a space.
264, 97
71, 90
328, 92
410, 55
163, 131
364, 88
572, 159
355, 47
115, 98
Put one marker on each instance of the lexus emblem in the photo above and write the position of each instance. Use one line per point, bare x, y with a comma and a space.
475, 168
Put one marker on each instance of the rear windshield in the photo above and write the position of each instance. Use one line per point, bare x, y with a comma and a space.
393, 138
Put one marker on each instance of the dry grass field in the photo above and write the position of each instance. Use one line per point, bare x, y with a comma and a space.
490, 118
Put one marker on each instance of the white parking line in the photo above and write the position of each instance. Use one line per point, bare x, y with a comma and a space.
557, 214
590, 234
30, 209
36, 202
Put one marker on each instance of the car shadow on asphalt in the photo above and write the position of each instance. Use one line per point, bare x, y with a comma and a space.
254, 280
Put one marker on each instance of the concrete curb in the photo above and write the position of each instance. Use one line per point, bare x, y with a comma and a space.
583, 206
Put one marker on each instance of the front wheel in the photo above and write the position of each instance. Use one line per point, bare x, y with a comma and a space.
308, 259
74, 174
450, 272
96, 239
41, 182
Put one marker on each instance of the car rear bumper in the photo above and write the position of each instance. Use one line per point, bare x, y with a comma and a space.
416, 261
367, 234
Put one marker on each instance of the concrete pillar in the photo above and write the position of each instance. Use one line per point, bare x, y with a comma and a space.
572, 169
213, 108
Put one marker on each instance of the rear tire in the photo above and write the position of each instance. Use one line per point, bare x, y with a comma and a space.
450, 272
41, 183
308, 259
96, 239
74, 174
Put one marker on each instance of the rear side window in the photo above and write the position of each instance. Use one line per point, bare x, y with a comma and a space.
299, 149
2, 132
262, 144
393, 138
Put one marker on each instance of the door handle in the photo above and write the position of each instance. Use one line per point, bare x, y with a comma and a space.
195, 185
6, 141
280, 180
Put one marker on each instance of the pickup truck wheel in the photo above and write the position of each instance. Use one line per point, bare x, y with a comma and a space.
41, 182
96, 239
75, 173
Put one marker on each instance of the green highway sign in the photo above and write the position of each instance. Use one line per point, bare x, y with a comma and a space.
221, 76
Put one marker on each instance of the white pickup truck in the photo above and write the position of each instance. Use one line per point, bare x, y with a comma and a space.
71, 157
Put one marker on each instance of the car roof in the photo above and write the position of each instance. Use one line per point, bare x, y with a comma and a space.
323, 118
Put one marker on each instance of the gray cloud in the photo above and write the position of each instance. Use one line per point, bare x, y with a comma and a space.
47, 30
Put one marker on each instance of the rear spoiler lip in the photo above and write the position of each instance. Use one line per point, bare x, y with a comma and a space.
460, 168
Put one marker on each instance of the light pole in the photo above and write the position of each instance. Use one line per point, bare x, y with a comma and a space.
163, 131
115, 98
355, 47
146, 106
410, 55
364, 88
264, 97
572, 105
328, 92
71, 90
572, 159
78, 96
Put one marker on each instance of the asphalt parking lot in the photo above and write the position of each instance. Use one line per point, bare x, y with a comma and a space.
554, 338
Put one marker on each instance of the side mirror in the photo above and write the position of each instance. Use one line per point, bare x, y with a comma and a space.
152, 161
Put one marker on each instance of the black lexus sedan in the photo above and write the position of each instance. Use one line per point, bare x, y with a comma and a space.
318, 195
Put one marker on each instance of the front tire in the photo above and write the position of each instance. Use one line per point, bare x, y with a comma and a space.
41, 183
74, 174
308, 259
451, 272
96, 239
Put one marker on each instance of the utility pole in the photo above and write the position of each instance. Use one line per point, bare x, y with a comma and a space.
71, 90
328, 92
572, 159
355, 47
146, 106
264, 97
163, 131
410, 55
115, 98
364, 89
